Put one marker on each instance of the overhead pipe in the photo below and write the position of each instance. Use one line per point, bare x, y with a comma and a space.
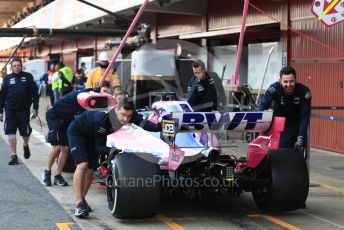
24, 56
131, 28
48, 32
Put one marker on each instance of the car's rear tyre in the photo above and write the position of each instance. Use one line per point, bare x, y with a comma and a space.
133, 190
289, 182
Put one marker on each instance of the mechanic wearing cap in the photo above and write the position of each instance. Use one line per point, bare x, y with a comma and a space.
96, 74
205, 90
18, 92
87, 136
291, 100
59, 117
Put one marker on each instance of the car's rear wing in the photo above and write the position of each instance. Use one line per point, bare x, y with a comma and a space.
176, 122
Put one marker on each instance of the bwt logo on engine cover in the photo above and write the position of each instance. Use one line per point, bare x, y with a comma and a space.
238, 121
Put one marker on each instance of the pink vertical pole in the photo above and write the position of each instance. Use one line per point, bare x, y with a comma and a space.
131, 28
241, 41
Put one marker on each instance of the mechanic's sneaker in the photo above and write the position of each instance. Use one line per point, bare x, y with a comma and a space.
58, 180
89, 209
27, 153
14, 160
46, 176
81, 209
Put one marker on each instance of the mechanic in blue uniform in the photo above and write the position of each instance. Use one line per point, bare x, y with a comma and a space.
87, 136
291, 100
59, 117
18, 92
205, 91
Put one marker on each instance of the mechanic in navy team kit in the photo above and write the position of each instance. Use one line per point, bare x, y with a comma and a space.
291, 100
205, 89
87, 136
18, 92
59, 117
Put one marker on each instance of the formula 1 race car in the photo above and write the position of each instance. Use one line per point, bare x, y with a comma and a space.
187, 156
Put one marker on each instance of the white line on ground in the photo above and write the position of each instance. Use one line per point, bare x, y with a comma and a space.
328, 152
40, 137
322, 219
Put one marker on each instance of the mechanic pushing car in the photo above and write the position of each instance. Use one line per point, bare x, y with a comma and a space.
59, 117
205, 89
291, 100
87, 137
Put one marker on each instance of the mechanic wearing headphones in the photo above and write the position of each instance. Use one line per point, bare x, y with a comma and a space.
291, 100
87, 136
18, 92
59, 117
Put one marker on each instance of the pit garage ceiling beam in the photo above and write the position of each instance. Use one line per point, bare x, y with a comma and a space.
186, 7
264, 26
234, 30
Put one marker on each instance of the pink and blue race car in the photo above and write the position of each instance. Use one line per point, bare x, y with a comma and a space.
187, 156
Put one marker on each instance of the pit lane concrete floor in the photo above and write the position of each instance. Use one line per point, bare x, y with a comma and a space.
325, 204
20, 194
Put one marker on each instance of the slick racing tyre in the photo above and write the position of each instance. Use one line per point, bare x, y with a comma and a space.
288, 182
133, 190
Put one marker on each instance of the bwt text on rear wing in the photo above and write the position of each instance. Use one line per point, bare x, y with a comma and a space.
176, 122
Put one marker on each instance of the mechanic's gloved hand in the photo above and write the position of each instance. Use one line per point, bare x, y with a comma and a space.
299, 144
1, 117
34, 113
113, 153
96, 90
